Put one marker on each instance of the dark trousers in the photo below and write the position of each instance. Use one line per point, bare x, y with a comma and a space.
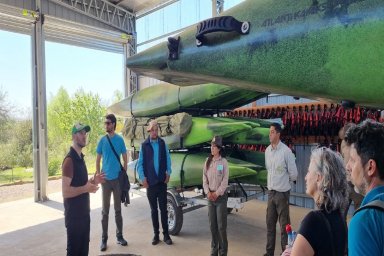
277, 209
111, 186
217, 215
157, 194
77, 236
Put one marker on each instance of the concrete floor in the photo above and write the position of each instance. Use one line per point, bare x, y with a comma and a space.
28, 228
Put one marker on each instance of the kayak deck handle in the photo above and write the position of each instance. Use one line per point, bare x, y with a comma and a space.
222, 23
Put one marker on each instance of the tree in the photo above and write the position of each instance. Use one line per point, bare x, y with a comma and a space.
87, 108
22, 143
64, 111
4, 117
17, 150
117, 96
4, 106
60, 121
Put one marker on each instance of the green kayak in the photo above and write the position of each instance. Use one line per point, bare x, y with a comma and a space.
187, 169
166, 99
204, 128
331, 50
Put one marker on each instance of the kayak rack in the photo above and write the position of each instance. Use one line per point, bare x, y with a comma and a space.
180, 202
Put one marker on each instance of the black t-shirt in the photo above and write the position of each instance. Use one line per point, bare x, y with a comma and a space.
314, 229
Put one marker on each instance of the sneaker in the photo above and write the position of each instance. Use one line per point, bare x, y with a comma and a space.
167, 239
155, 240
103, 246
122, 241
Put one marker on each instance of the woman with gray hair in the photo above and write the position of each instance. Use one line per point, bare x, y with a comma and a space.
324, 231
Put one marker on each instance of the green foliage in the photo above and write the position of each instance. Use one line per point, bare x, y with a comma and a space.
7, 156
64, 111
59, 116
54, 165
4, 106
17, 146
4, 117
22, 143
87, 109
117, 96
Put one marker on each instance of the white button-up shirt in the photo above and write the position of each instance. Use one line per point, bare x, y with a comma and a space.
281, 167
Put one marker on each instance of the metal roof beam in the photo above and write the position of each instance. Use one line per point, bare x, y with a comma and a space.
103, 11
161, 6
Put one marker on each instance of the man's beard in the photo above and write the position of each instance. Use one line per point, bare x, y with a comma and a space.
362, 189
81, 145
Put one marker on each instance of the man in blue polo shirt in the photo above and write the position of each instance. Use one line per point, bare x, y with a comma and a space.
111, 167
154, 168
366, 167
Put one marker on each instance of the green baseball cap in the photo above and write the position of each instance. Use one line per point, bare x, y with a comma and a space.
79, 127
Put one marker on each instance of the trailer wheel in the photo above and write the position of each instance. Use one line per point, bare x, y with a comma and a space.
175, 216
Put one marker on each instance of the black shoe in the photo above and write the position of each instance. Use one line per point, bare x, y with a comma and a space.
122, 241
103, 246
155, 240
167, 239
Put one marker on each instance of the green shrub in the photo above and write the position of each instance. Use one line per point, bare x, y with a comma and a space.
7, 156
53, 166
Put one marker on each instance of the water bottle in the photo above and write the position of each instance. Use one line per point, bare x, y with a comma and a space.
290, 234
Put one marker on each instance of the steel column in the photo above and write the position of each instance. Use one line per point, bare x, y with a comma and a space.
39, 109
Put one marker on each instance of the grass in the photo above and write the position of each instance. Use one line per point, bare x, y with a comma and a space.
19, 175
16, 175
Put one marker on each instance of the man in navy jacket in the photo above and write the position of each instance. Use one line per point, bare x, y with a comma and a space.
154, 168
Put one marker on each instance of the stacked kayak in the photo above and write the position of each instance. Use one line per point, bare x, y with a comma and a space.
201, 131
166, 99
323, 50
187, 169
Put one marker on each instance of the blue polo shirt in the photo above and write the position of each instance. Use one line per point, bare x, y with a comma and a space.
366, 228
110, 164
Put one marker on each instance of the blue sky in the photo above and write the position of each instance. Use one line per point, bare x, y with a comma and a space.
69, 66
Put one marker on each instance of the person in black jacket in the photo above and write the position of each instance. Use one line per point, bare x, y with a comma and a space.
76, 188
154, 168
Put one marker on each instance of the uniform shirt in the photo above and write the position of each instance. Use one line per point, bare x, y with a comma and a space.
215, 178
110, 165
366, 228
281, 167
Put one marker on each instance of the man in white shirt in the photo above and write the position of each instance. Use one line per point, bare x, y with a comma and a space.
282, 170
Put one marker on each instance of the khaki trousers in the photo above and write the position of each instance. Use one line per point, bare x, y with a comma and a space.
277, 209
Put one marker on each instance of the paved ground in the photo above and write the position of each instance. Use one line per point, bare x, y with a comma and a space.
29, 228
14, 192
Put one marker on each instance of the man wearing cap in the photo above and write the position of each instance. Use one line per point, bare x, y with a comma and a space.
154, 168
282, 170
111, 167
76, 188
366, 169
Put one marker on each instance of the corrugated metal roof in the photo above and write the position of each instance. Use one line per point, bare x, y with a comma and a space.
139, 6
